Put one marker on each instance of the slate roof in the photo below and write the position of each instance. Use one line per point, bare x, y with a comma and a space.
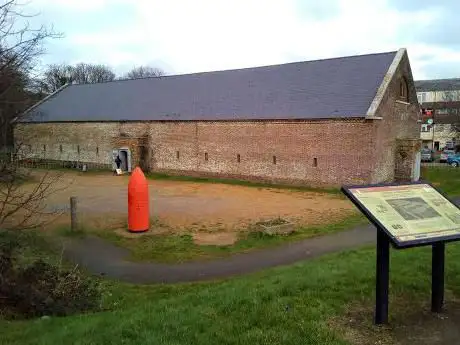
331, 88
438, 85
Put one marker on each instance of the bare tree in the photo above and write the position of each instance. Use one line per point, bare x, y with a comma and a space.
13, 98
20, 43
23, 206
57, 75
84, 73
144, 72
20, 46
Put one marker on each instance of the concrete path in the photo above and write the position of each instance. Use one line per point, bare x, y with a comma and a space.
103, 258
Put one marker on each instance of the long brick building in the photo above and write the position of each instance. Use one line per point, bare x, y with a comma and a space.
325, 122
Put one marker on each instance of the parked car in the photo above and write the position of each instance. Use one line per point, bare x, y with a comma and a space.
454, 160
446, 154
450, 145
427, 155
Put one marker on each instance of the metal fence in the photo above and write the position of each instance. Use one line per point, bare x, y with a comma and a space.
30, 161
438, 165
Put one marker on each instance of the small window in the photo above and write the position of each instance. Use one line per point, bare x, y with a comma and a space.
274, 159
60, 148
403, 90
449, 96
177, 155
443, 111
78, 149
238, 158
44, 147
315, 162
205, 156
97, 150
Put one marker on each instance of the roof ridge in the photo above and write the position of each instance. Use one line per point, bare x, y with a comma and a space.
43, 100
296, 89
385, 82
239, 69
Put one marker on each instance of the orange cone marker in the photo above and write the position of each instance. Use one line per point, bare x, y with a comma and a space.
138, 202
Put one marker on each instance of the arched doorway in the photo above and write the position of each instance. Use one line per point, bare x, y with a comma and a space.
125, 157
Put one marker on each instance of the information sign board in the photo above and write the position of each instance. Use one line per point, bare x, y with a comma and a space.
411, 214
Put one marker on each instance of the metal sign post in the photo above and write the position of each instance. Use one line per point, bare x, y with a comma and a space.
382, 282
437, 277
407, 215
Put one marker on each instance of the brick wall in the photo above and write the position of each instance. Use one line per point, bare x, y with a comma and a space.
341, 150
81, 142
399, 121
315, 152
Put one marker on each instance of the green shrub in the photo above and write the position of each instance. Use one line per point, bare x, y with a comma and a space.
42, 288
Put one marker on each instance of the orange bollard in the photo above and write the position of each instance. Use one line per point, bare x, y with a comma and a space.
138, 202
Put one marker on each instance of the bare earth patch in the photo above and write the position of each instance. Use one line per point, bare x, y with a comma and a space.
411, 324
215, 239
189, 207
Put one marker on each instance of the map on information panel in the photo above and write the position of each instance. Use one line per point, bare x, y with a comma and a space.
410, 214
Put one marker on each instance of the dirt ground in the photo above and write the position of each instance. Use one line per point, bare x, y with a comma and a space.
178, 206
414, 325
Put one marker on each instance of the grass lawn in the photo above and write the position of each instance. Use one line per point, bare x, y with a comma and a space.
312, 302
300, 304
181, 248
446, 179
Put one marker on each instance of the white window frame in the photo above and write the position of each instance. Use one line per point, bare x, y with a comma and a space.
423, 97
443, 111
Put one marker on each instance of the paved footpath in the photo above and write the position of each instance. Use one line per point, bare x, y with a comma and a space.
103, 258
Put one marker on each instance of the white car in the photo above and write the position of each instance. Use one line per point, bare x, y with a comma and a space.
445, 154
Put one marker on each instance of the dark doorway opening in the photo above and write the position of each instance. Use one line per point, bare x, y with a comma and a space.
124, 160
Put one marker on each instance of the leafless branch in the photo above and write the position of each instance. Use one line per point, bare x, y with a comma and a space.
57, 76
20, 46
144, 72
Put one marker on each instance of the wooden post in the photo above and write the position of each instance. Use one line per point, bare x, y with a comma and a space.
73, 214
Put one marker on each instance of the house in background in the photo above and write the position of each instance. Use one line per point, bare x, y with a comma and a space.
440, 103
347, 120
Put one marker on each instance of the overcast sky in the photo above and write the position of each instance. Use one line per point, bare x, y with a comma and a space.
183, 36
